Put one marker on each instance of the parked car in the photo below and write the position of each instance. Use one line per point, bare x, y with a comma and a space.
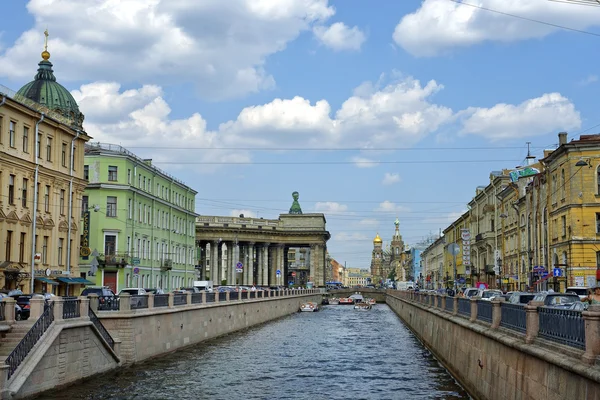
154, 291
581, 291
490, 294
101, 291
133, 291
19, 313
473, 292
557, 300
521, 297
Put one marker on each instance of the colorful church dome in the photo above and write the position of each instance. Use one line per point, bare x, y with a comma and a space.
377, 239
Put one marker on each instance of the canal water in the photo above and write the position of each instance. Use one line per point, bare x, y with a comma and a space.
336, 353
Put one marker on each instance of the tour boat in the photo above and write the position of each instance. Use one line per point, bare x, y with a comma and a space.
362, 306
334, 301
309, 307
357, 298
371, 301
346, 300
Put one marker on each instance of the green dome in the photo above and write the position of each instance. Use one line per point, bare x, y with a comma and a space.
46, 91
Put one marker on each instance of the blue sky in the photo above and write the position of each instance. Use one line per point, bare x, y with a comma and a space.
303, 92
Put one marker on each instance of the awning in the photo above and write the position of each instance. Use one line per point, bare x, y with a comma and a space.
47, 280
75, 281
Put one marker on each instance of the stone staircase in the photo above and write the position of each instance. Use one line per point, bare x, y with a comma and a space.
10, 339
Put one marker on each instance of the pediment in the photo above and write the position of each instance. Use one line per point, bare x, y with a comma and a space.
74, 226
26, 220
39, 221
63, 226
2, 216
12, 217
49, 223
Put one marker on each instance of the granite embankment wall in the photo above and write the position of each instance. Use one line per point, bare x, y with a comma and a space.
496, 363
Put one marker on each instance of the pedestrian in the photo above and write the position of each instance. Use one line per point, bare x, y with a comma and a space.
594, 296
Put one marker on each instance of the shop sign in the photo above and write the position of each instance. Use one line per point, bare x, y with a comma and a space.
85, 236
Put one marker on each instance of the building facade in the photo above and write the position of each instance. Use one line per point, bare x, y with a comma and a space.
357, 277
41, 185
432, 260
377, 261
139, 223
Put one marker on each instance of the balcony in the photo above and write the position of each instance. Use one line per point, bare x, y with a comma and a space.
166, 265
119, 260
479, 237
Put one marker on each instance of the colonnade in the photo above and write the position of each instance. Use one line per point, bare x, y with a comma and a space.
259, 262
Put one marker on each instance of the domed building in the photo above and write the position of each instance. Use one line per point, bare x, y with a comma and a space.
377, 260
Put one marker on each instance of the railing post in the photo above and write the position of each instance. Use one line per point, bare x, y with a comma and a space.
592, 334
93, 301
532, 321
444, 300
496, 312
171, 300
227, 296
217, 293
473, 317
203, 297
59, 304
84, 307
9, 310
36, 307
455, 305
150, 300
124, 302
248, 294
188, 299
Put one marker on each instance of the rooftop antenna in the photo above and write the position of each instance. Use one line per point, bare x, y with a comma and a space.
529, 159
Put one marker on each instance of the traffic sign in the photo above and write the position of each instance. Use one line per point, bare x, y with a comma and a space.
239, 265
454, 249
293, 274
557, 272
136, 271
278, 272
135, 261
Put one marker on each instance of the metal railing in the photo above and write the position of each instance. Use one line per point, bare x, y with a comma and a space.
484, 310
464, 306
210, 297
562, 326
30, 339
139, 301
161, 300
180, 299
253, 295
71, 307
222, 296
439, 302
513, 317
196, 298
449, 304
109, 303
98, 324
234, 295
2, 311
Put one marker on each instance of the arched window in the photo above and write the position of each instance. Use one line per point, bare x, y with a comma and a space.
555, 261
598, 180
562, 183
564, 259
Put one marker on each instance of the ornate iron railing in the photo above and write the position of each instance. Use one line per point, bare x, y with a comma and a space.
139, 301
98, 324
484, 310
196, 298
180, 299
253, 295
513, 317
71, 307
449, 304
439, 301
562, 326
109, 303
2, 312
161, 300
234, 295
464, 307
222, 296
30, 339
210, 297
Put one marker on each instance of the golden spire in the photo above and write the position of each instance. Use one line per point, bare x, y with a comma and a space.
45, 54
377, 239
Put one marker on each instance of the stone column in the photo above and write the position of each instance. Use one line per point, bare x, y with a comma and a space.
265, 265
455, 308
228, 275
250, 264
592, 334
497, 312
93, 301
237, 278
259, 268
59, 304
473, 310
9, 310
445, 298
124, 303
272, 267
214, 263
36, 305
84, 307
532, 320
150, 300
279, 264
313, 263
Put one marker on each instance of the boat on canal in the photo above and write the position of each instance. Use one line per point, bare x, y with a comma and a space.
334, 301
309, 307
362, 306
371, 301
345, 301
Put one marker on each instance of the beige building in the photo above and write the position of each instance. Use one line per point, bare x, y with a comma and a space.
357, 277
432, 259
41, 185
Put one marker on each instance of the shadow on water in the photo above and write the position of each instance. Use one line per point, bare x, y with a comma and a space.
337, 353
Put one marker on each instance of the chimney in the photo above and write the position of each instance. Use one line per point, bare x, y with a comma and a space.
562, 138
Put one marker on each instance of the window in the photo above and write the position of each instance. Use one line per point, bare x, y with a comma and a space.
38, 150
61, 242
62, 202
598, 259
11, 133
11, 189
562, 184
145, 215
110, 245
8, 245
45, 250
84, 204
493, 225
112, 173
37, 192
129, 244
597, 222
563, 220
111, 206
1, 120
86, 172
63, 155
24, 193
145, 186
22, 248
139, 181
74, 160
129, 176
25, 139
48, 149
129, 210
47, 199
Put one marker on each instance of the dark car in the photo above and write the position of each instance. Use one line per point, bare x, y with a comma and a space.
557, 300
23, 301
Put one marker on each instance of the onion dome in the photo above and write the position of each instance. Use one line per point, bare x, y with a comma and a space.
377, 239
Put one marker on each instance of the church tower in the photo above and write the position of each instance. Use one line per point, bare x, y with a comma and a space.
377, 260
397, 252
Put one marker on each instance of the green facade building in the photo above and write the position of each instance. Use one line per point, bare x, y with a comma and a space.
138, 223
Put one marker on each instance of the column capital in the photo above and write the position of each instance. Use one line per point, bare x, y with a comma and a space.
281, 245
266, 244
250, 244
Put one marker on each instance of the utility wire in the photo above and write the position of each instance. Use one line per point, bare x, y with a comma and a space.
324, 148
525, 18
328, 162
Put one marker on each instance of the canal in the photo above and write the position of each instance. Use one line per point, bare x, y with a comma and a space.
337, 353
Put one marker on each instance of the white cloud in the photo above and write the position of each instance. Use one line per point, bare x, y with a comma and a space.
246, 213
533, 117
390, 178
363, 162
439, 26
369, 222
350, 237
589, 80
339, 36
390, 207
330, 207
221, 46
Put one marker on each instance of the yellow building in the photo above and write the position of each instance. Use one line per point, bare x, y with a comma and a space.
41, 185
433, 261
357, 277
453, 236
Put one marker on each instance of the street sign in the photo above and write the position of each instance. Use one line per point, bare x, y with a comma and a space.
454, 249
293, 274
239, 270
135, 261
278, 272
465, 234
557, 272
239, 265
136, 271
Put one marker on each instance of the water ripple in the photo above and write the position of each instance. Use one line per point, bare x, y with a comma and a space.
337, 353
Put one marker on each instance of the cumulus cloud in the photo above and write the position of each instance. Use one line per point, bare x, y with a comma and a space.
390, 178
439, 26
330, 207
349, 237
390, 207
339, 36
221, 46
246, 213
532, 117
